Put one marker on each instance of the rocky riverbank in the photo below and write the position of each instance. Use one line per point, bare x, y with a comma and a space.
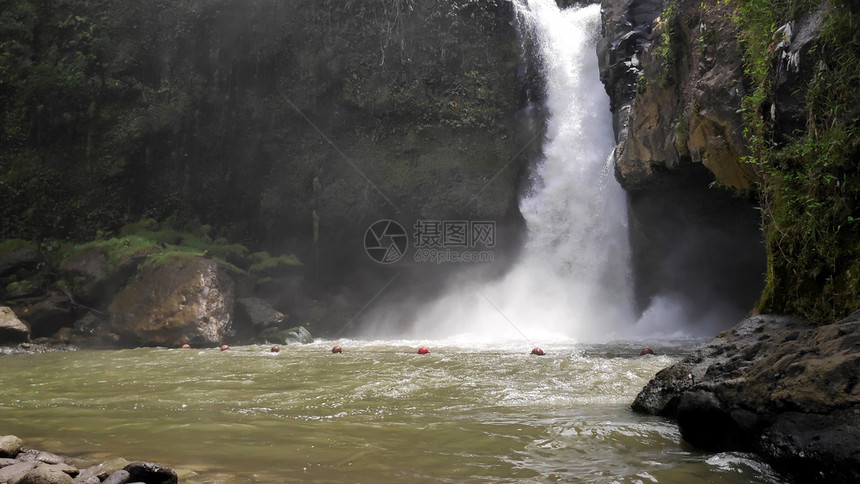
20, 465
775, 385
152, 287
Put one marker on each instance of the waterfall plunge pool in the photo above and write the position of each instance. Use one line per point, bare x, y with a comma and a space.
376, 413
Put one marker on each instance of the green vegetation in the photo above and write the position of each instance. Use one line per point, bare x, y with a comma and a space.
810, 187
669, 43
264, 263
641, 84
148, 242
239, 114
11, 245
706, 39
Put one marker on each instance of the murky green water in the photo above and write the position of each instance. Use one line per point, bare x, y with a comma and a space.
376, 413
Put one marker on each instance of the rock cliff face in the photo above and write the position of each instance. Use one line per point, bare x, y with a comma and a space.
673, 72
774, 385
794, 69
626, 32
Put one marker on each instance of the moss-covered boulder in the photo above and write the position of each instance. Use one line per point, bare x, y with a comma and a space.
16, 254
95, 271
175, 301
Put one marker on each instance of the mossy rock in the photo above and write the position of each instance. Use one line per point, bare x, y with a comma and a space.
265, 265
26, 288
93, 272
17, 254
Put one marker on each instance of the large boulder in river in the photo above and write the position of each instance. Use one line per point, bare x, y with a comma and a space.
86, 271
182, 300
253, 316
95, 271
12, 330
774, 385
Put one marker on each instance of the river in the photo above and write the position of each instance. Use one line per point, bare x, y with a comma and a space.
379, 412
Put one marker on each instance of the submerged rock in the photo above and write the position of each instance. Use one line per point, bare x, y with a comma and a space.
296, 335
186, 300
774, 385
12, 330
151, 473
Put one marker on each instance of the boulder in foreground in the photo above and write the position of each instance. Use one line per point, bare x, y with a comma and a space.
775, 385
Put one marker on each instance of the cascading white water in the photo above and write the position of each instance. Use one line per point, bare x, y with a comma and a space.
572, 279
576, 214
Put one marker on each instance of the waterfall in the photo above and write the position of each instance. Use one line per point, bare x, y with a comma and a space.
577, 252
572, 279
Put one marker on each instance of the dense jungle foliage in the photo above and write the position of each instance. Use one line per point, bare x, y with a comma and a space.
809, 166
279, 124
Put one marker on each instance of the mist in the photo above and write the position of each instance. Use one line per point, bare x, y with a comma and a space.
576, 277
572, 279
